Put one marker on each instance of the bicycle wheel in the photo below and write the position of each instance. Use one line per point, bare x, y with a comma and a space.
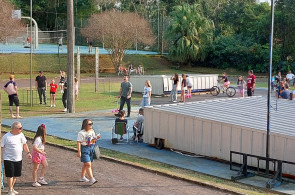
214, 91
230, 92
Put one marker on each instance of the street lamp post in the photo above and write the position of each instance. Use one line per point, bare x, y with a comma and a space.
70, 40
31, 53
269, 86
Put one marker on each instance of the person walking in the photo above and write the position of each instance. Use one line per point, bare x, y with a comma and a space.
125, 95
85, 144
13, 143
39, 156
251, 81
11, 89
173, 94
41, 86
147, 94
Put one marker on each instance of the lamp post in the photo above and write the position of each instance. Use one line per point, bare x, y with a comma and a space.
70, 40
31, 53
269, 86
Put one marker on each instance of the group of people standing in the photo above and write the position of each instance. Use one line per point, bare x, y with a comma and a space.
186, 84
41, 86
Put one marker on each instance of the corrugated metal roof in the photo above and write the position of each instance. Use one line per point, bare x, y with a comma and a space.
249, 112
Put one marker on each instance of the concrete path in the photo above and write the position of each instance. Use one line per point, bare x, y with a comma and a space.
68, 125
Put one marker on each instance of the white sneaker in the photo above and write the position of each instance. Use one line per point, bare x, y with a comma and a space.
93, 181
36, 184
65, 110
51, 105
84, 179
42, 181
14, 191
54, 106
11, 192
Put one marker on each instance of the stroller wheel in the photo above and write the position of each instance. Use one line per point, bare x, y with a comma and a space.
114, 140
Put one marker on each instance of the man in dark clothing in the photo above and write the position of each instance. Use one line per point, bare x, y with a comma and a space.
65, 96
41, 86
125, 94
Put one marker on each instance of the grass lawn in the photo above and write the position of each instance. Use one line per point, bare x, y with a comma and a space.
88, 100
156, 166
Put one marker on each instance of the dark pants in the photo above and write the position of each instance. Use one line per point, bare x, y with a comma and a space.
250, 92
122, 102
41, 92
64, 98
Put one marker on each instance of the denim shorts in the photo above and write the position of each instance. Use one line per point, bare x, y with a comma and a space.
87, 153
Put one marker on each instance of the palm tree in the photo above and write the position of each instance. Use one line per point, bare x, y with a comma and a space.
190, 34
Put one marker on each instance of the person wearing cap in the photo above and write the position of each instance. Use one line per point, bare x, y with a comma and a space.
11, 89
41, 84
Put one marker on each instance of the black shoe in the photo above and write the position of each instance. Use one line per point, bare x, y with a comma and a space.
117, 115
45, 103
128, 115
40, 102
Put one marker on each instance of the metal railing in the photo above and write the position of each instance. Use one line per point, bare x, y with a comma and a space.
244, 171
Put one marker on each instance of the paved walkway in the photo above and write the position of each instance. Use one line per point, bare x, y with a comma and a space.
68, 125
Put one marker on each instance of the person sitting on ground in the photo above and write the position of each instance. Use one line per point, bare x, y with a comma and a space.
280, 88
138, 125
226, 81
286, 93
121, 118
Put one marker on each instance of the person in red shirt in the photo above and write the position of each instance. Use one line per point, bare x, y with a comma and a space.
251, 83
53, 88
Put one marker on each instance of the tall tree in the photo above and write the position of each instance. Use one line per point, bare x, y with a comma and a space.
118, 31
190, 33
9, 27
285, 27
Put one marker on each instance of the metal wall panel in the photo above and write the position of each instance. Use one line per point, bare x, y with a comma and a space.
212, 134
162, 83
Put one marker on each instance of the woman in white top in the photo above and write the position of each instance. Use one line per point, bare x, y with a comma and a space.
85, 144
39, 156
147, 94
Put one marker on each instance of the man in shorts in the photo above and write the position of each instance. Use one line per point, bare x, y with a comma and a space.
13, 144
11, 89
251, 81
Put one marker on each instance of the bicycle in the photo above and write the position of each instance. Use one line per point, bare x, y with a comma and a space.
215, 90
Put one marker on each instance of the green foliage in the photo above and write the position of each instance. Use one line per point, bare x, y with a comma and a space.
190, 33
242, 53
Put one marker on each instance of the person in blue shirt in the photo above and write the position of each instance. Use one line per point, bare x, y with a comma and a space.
286, 93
